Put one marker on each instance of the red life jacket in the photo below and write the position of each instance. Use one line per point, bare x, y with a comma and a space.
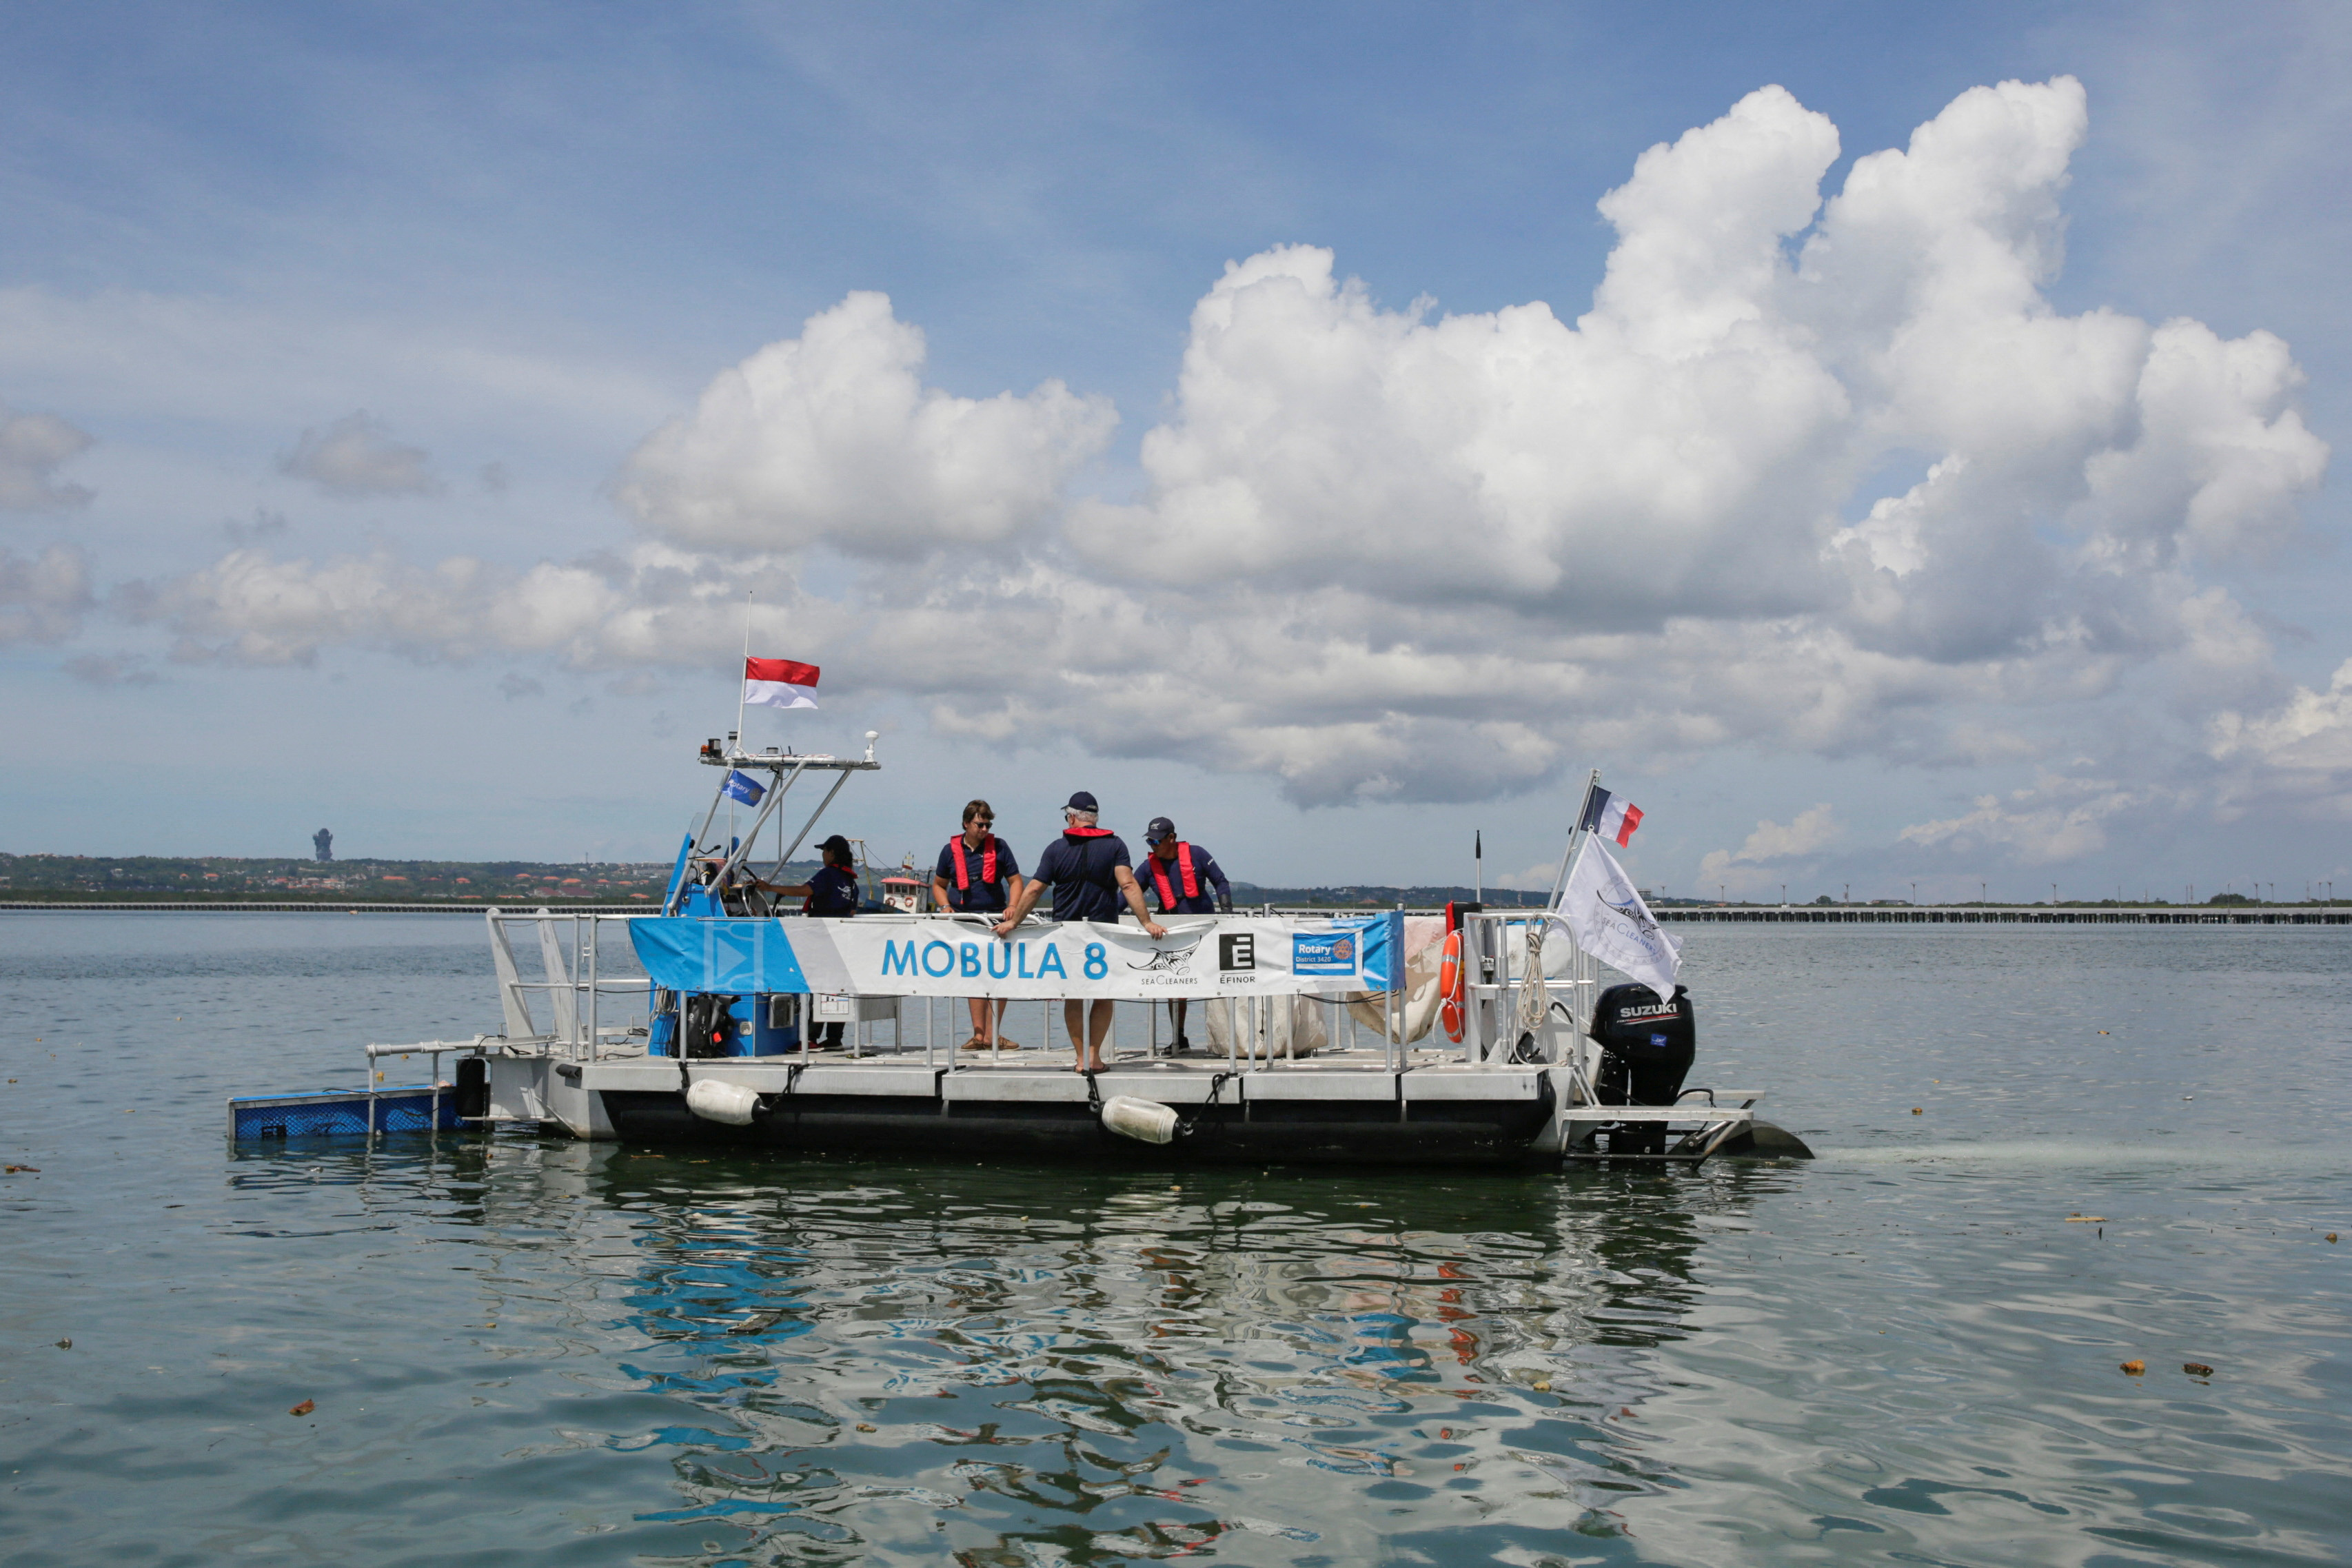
964, 870
1184, 867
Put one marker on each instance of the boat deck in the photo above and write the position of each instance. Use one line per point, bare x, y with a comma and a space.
1336, 1107
1045, 1077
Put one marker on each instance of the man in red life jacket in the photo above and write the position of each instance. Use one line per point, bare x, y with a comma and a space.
977, 875
1087, 868
1182, 874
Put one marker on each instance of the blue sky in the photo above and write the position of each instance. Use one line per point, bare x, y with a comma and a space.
522, 243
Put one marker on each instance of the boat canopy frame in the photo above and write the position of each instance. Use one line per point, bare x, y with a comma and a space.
785, 768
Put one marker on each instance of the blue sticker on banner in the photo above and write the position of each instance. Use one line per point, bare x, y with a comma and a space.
1329, 955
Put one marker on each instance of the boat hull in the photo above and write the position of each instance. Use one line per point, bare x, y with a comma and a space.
1353, 1133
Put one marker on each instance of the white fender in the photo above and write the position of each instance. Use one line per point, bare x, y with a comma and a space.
1145, 1121
716, 1102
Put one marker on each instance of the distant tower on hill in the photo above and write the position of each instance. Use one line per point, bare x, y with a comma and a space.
324, 842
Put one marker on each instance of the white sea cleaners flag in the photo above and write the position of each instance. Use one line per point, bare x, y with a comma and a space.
779, 682
1612, 817
1605, 911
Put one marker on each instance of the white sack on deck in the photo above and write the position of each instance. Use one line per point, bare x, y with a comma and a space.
1294, 1025
1424, 950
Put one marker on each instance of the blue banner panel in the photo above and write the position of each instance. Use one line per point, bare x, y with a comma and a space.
1383, 946
738, 957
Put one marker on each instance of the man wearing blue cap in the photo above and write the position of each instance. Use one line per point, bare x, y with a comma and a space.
1091, 875
1183, 874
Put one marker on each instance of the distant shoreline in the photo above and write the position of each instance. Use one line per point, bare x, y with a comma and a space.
1713, 914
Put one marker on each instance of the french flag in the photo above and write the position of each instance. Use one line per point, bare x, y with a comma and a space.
1611, 817
779, 682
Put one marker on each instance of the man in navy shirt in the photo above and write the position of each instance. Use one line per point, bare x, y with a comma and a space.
978, 875
1091, 875
1182, 874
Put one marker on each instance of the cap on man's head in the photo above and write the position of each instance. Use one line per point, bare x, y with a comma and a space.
1082, 801
835, 845
1160, 828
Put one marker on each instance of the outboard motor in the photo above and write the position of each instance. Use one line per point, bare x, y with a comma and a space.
1646, 1048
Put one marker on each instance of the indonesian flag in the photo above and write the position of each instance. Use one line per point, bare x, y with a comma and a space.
779, 682
1612, 817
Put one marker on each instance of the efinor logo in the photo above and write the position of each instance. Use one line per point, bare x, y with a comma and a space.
1237, 951
1328, 955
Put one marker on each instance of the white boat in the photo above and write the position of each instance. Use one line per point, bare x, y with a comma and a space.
1321, 1031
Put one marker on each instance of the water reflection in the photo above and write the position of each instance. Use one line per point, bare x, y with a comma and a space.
1903, 1353
1031, 1364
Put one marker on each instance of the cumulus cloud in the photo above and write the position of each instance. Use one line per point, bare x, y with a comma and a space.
43, 597
1770, 849
2302, 750
832, 437
650, 606
1672, 452
357, 456
33, 447
1397, 555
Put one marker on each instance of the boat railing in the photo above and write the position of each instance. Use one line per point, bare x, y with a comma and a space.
575, 993
1497, 948
573, 987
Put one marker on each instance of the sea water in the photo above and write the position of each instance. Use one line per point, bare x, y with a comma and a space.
2043, 1154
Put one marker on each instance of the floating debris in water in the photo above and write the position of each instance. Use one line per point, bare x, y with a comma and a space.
758, 1321
1917, 1111
2086, 1219
35, 1170
304, 1408
2134, 1368
64, 1344
2196, 1369
2331, 1236
863, 1426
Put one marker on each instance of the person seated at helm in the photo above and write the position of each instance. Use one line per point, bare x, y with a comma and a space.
833, 891
1182, 874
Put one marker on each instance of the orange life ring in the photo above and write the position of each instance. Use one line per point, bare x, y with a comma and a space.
1450, 986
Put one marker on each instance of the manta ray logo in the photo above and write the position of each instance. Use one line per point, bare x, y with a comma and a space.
1168, 959
1635, 915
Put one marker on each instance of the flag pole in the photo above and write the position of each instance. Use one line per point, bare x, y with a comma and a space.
741, 688
1561, 880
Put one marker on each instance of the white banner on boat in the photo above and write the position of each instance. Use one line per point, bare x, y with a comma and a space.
1223, 958
1605, 911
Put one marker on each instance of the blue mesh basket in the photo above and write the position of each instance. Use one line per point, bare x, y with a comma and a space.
342, 1112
